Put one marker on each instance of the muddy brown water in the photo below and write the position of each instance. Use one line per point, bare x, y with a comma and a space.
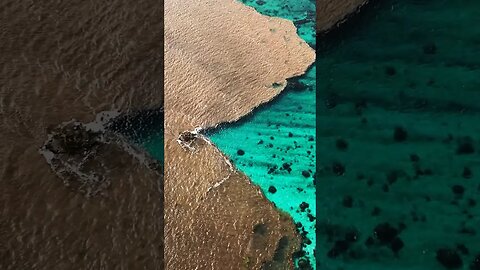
73, 59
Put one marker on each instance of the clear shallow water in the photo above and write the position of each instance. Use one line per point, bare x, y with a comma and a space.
399, 138
275, 145
154, 145
144, 129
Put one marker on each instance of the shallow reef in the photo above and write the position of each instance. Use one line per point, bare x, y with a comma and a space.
275, 145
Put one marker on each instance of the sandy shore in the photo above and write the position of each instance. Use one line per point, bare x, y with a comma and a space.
74, 59
216, 71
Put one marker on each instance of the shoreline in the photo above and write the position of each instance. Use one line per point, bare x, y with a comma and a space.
208, 125
111, 63
260, 231
260, 161
331, 15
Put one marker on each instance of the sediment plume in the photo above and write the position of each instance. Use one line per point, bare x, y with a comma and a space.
231, 60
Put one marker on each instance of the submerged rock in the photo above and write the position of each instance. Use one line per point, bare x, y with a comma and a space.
400, 134
449, 258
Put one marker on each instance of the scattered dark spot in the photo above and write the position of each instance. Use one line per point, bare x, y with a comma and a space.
465, 146
307, 241
290, 134
396, 245
338, 248
468, 231
260, 142
392, 177
471, 202
311, 138
299, 253
306, 174
385, 233
341, 144
281, 250
449, 258
390, 71
376, 211
303, 264
287, 167
370, 182
351, 236
272, 169
311, 217
475, 265
276, 85
463, 249
260, 229
414, 158
338, 168
347, 201
331, 101
400, 134
240, 152
272, 189
304, 206
458, 189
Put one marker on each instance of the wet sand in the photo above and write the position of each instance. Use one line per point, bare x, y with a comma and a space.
64, 60
331, 13
218, 70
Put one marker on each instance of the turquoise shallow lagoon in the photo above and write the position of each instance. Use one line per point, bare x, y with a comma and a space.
399, 138
275, 145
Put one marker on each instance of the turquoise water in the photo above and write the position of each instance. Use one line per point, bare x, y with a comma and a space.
143, 128
154, 145
275, 145
398, 123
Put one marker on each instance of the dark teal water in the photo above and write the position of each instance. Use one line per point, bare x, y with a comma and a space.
143, 128
399, 138
154, 145
275, 145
